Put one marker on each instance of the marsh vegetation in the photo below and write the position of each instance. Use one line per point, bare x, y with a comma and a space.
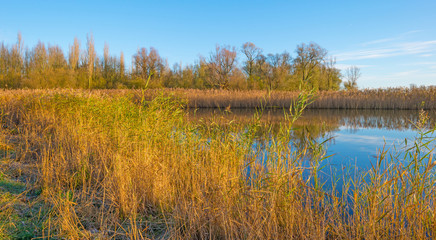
114, 164
375, 99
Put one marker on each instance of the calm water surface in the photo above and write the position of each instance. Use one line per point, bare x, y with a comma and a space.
356, 136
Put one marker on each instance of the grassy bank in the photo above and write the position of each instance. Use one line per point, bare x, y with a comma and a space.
86, 165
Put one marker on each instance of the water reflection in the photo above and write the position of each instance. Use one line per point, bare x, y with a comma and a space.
352, 119
354, 136
353, 139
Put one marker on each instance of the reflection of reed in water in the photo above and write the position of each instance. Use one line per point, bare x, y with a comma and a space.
314, 124
332, 118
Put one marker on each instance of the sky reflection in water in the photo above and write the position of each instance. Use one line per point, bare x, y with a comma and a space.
361, 146
357, 136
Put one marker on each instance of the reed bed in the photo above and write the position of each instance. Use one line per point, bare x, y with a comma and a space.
376, 99
393, 98
115, 166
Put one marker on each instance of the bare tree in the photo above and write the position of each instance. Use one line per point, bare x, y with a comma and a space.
280, 69
264, 71
106, 55
74, 54
221, 65
38, 64
19, 45
57, 67
16, 63
330, 75
90, 58
251, 53
122, 67
56, 58
148, 65
309, 57
109, 68
352, 74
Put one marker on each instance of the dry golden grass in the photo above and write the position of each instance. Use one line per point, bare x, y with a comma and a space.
111, 165
395, 98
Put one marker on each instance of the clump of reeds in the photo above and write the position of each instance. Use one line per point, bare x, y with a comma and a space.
128, 167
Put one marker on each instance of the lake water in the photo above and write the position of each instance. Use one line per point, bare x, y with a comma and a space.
353, 138
356, 136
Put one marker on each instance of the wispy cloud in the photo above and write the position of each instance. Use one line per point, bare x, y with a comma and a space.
423, 47
364, 139
390, 47
401, 60
384, 40
345, 66
398, 49
425, 63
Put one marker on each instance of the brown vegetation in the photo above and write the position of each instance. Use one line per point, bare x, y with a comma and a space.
100, 165
394, 98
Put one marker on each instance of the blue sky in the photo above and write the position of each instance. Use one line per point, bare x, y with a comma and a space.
393, 42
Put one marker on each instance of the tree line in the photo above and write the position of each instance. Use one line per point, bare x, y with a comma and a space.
46, 66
